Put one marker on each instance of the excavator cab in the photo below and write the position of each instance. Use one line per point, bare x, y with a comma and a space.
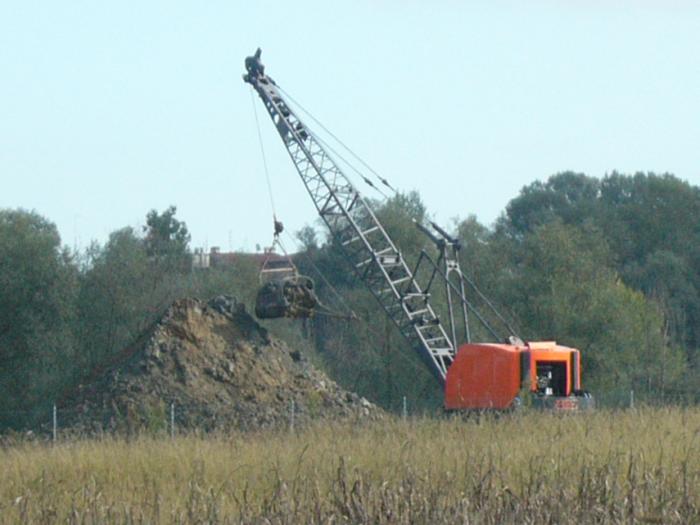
283, 291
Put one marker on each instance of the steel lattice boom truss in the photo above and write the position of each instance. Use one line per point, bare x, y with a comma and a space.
355, 228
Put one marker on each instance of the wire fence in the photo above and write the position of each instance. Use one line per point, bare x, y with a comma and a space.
169, 419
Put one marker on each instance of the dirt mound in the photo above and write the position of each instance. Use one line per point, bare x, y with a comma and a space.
220, 369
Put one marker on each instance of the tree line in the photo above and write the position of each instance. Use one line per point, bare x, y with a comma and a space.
610, 266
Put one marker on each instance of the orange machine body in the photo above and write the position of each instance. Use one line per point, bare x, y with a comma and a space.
491, 376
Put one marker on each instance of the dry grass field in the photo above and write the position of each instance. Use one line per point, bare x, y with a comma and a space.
638, 466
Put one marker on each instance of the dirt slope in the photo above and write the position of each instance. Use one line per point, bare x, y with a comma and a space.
220, 368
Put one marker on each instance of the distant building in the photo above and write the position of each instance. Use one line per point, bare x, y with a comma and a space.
200, 259
218, 259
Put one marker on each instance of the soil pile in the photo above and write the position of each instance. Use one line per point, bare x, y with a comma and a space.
220, 369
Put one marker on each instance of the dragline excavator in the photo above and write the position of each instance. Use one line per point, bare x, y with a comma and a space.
495, 375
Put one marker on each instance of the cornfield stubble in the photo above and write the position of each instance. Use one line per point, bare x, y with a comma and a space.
603, 467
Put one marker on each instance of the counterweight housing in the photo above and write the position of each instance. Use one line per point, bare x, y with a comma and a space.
502, 376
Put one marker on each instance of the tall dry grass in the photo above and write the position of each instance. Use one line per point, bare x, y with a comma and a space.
639, 466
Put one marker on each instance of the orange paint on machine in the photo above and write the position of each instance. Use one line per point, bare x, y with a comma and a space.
496, 376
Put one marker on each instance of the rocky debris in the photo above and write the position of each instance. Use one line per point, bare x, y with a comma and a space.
220, 369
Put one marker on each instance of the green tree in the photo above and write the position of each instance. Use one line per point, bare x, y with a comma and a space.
650, 223
398, 215
570, 197
37, 286
308, 238
167, 240
117, 299
564, 288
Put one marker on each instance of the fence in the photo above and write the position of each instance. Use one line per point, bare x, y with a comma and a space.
52, 422
169, 419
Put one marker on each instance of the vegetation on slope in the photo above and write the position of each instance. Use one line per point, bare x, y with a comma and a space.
611, 266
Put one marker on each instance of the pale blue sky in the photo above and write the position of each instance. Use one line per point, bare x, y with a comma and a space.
109, 109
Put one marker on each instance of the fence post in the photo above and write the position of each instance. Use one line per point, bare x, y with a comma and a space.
172, 420
404, 411
291, 416
55, 424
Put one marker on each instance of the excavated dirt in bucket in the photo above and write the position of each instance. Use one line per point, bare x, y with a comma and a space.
220, 369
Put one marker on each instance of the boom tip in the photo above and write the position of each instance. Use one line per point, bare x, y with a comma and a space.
254, 67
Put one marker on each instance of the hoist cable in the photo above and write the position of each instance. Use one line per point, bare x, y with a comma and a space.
339, 156
352, 315
277, 242
264, 158
335, 292
324, 128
